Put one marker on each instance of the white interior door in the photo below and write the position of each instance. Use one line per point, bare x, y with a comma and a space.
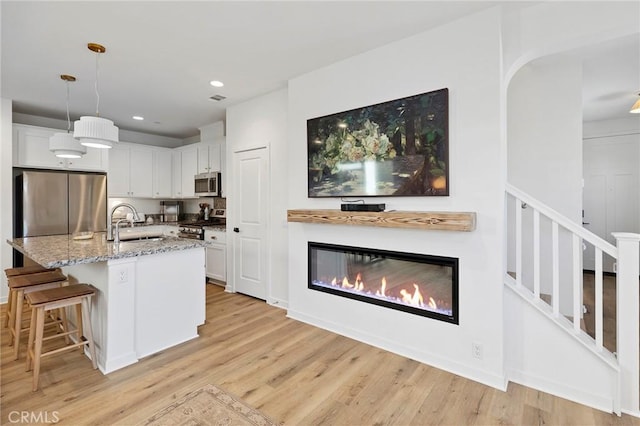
251, 222
611, 196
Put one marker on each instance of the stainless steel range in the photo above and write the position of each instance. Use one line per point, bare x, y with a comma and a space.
194, 230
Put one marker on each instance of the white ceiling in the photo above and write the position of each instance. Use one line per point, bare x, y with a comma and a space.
610, 78
161, 55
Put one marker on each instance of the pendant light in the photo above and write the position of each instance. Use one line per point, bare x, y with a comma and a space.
64, 145
96, 132
635, 109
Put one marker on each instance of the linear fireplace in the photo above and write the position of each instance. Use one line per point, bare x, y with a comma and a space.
416, 283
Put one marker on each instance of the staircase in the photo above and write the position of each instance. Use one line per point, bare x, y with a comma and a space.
546, 346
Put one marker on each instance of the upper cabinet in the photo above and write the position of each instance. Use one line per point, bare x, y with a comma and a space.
133, 170
185, 167
212, 152
130, 171
162, 173
208, 157
31, 149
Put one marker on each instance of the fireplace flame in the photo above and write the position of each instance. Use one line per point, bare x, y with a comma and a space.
432, 303
346, 284
414, 298
383, 288
359, 285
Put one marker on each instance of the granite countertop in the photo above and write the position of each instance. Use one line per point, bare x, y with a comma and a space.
62, 250
216, 227
219, 228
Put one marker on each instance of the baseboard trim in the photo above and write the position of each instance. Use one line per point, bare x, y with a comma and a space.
598, 402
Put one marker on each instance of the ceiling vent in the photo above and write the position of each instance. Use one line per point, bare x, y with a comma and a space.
217, 97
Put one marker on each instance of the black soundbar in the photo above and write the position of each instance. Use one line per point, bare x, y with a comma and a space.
355, 207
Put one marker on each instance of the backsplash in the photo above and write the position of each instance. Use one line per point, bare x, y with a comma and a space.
151, 207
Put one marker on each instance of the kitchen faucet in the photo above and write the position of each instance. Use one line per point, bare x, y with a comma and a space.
110, 227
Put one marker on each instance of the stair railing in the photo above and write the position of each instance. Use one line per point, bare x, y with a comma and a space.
626, 255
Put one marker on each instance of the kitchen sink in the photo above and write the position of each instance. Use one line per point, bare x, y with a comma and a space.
142, 239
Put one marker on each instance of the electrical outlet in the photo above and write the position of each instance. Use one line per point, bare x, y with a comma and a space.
476, 350
122, 276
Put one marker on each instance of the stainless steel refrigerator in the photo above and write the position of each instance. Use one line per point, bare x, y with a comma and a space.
54, 203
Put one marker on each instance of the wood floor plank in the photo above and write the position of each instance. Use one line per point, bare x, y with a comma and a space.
295, 373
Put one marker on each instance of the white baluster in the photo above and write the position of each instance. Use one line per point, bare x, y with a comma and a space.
555, 252
518, 242
577, 281
536, 253
598, 300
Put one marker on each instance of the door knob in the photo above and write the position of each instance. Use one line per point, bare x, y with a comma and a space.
236, 230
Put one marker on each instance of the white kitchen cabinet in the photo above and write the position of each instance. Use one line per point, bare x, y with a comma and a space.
208, 157
31, 149
176, 174
185, 167
216, 255
223, 169
94, 160
162, 173
130, 171
212, 158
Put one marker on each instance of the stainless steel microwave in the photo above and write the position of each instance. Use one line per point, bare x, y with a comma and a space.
207, 184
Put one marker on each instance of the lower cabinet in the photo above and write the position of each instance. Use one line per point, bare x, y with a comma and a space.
216, 255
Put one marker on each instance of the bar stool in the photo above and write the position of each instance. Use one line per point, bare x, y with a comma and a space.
21, 285
78, 295
21, 270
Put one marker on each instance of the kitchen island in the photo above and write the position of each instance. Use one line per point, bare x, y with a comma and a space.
151, 292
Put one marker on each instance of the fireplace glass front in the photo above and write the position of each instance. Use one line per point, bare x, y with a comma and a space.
416, 283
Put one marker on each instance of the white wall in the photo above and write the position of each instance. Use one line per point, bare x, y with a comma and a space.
544, 140
262, 122
544, 144
415, 65
540, 355
6, 191
605, 128
547, 28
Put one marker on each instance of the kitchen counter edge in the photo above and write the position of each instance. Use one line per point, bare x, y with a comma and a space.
56, 251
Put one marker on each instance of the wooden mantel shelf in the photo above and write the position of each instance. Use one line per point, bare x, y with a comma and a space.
444, 221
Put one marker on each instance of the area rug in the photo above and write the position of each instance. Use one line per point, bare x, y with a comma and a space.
209, 405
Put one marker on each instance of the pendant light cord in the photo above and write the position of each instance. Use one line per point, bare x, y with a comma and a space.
68, 117
96, 85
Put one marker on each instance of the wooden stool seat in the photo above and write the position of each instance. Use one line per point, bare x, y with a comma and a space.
25, 270
21, 285
78, 295
43, 297
36, 278
22, 270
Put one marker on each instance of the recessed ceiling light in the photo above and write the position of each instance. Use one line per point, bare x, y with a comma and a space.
137, 117
216, 83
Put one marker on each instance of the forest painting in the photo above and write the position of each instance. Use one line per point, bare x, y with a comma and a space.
395, 148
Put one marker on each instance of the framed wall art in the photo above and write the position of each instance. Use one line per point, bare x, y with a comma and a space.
395, 148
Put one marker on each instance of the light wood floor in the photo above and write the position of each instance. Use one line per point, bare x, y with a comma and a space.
293, 372
608, 309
